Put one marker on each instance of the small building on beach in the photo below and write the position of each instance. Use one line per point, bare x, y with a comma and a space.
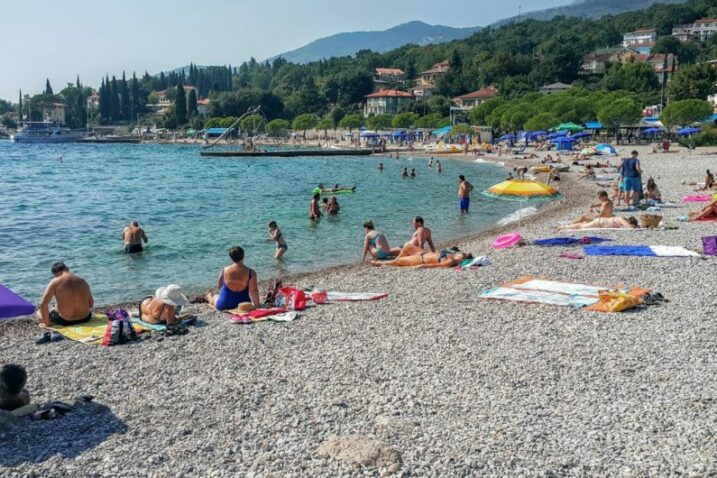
387, 102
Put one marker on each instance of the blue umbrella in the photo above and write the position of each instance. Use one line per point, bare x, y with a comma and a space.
606, 149
653, 131
688, 131
506, 137
563, 139
580, 135
559, 134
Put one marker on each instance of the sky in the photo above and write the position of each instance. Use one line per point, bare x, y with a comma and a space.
62, 39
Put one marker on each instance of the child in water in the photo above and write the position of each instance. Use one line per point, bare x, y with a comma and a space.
12, 387
278, 238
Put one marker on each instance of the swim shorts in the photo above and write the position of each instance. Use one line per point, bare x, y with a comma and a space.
132, 248
631, 184
56, 319
465, 203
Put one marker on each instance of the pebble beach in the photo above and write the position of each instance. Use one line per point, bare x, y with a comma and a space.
431, 381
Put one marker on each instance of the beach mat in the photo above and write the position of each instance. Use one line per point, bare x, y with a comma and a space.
568, 241
639, 250
154, 327
90, 333
555, 292
277, 314
354, 296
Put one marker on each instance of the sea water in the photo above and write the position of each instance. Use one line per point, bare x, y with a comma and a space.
70, 202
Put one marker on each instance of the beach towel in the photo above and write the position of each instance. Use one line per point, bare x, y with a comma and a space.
276, 314
12, 305
91, 332
154, 327
568, 241
592, 229
701, 198
355, 296
552, 292
639, 250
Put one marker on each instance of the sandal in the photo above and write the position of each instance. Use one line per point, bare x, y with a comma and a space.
46, 337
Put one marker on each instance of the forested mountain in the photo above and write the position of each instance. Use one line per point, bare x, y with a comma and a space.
345, 44
587, 9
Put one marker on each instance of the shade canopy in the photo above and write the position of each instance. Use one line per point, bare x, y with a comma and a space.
522, 190
12, 305
564, 139
653, 131
688, 131
442, 131
593, 125
580, 135
568, 127
605, 148
557, 134
506, 137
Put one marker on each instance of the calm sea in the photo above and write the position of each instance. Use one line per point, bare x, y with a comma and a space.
70, 202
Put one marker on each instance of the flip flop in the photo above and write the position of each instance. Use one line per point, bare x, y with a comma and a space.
43, 339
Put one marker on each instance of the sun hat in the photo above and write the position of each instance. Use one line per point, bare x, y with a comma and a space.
171, 295
245, 307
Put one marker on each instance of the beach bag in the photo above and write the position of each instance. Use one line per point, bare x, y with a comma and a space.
291, 299
119, 328
272, 291
650, 220
709, 245
617, 301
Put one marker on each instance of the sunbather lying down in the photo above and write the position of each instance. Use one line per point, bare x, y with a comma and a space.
710, 212
412, 256
603, 223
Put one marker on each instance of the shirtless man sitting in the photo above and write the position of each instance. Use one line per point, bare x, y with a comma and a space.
133, 236
604, 208
422, 236
72, 295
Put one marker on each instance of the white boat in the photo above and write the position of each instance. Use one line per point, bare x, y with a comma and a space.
45, 132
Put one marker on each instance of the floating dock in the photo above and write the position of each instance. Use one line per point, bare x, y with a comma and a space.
290, 153
115, 140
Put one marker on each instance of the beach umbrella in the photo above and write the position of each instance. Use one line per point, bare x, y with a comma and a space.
606, 149
506, 137
521, 190
588, 152
442, 131
580, 135
653, 131
688, 131
572, 127
557, 134
12, 305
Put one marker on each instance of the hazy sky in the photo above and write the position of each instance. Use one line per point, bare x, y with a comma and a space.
59, 39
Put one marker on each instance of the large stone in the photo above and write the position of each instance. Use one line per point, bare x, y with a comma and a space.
362, 450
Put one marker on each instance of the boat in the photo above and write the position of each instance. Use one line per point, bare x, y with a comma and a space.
45, 132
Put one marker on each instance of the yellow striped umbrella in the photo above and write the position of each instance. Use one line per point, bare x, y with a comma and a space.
522, 190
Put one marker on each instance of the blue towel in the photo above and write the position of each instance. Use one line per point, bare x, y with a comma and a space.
568, 241
619, 251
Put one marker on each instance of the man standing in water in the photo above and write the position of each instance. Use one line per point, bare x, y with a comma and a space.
464, 192
72, 295
314, 210
133, 235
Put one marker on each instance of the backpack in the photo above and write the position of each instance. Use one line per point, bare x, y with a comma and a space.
709, 245
119, 328
291, 299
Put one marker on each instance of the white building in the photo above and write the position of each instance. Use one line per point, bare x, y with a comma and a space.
639, 37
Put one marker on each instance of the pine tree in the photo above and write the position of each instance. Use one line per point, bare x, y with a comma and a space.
126, 109
115, 110
77, 82
192, 103
136, 98
162, 81
180, 105
48, 88
19, 107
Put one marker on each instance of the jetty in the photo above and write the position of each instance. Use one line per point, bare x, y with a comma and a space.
290, 153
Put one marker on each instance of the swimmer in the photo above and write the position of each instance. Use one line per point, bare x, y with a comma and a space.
380, 167
278, 238
404, 174
314, 210
413, 173
133, 236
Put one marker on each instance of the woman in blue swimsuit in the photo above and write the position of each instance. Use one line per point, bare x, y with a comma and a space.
376, 244
237, 284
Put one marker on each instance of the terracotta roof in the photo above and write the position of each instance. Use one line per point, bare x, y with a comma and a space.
487, 92
203, 101
389, 71
706, 20
390, 94
649, 30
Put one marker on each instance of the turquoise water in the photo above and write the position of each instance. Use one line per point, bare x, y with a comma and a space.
70, 202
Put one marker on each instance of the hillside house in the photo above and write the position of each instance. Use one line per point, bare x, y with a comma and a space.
387, 102
470, 100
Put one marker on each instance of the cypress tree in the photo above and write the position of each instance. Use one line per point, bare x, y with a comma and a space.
126, 108
162, 81
192, 103
180, 106
136, 99
115, 110
77, 82
48, 88
19, 106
